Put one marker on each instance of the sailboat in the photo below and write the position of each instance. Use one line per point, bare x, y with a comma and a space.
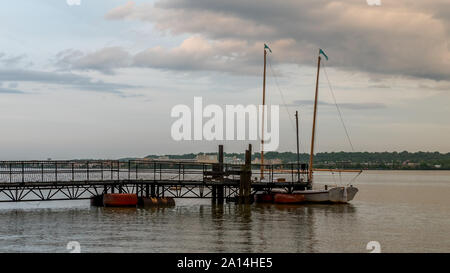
342, 194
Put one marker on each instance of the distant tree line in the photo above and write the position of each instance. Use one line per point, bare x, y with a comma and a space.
359, 160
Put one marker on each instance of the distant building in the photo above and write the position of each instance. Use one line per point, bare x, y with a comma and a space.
203, 158
407, 163
274, 161
344, 164
232, 160
256, 161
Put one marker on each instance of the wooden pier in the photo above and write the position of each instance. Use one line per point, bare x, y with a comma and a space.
71, 180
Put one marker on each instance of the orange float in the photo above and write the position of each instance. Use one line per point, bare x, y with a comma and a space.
156, 201
120, 200
289, 198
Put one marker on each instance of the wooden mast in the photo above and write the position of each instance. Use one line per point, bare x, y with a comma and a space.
263, 112
311, 156
298, 148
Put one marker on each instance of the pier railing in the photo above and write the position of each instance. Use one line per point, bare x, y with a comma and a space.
145, 170
84, 179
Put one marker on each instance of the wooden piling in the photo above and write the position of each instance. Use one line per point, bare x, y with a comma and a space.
153, 194
220, 188
245, 180
97, 200
220, 157
217, 191
220, 194
214, 194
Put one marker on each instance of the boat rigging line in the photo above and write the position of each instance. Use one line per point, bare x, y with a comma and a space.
281, 94
337, 107
342, 121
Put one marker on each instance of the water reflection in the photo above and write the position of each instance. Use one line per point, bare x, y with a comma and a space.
217, 215
197, 226
243, 216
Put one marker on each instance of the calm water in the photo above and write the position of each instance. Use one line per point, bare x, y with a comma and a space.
405, 211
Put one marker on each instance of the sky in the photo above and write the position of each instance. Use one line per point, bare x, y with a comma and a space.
99, 79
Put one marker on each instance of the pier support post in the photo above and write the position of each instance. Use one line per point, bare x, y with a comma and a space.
147, 191
97, 200
245, 179
221, 178
214, 194
153, 193
220, 195
220, 159
217, 191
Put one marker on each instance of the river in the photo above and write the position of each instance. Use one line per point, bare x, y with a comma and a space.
403, 211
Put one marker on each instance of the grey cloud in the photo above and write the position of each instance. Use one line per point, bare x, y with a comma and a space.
12, 60
105, 60
66, 79
436, 87
380, 86
194, 54
10, 91
351, 106
404, 37
66, 58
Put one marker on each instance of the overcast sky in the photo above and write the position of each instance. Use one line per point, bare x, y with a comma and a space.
99, 80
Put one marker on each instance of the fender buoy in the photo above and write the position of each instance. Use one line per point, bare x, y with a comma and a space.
120, 200
157, 201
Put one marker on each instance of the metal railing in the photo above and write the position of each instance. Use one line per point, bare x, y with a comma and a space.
108, 170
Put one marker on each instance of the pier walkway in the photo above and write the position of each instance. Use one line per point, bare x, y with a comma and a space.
71, 180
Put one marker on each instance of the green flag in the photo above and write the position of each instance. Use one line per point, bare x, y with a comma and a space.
265, 46
323, 53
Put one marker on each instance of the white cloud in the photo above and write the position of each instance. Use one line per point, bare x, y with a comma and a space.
121, 12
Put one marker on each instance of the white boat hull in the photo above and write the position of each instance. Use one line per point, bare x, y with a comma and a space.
332, 195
